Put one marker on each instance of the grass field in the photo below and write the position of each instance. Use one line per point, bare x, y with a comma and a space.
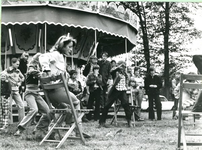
146, 135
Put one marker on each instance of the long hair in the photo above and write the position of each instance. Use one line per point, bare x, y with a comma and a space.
62, 42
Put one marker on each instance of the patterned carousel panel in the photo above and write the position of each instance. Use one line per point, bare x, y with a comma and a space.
87, 47
4, 40
53, 33
25, 38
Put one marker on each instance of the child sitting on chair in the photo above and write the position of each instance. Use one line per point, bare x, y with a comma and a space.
136, 97
4, 103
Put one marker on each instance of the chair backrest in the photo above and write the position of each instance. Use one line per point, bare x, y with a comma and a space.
191, 77
52, 82
188, 81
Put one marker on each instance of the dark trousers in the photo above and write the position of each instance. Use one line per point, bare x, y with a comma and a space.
154, 98
197, 59
121, 95
94, 97
103, 96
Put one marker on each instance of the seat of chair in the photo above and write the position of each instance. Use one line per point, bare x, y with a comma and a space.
189, 112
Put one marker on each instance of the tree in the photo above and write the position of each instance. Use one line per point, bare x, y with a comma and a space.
140, 11
165, 28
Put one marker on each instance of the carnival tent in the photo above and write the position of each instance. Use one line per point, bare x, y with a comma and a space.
36, 27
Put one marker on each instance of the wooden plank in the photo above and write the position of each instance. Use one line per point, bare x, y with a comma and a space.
193, 134
180, 114
191, 77
62, 128
194, 144
49, 79
186, 112
192, 85
55, 141
53, 86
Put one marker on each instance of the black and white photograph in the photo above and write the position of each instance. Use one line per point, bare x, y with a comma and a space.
101, 75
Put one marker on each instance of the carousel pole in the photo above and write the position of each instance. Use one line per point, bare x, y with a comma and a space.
39, 42
96, 42
5, 64
10, 37
45, 37
72, 59
72, 54
126, 47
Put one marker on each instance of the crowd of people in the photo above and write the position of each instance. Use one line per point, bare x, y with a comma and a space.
96, 85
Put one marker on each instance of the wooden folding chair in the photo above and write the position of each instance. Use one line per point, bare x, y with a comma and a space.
51, 83
117, 108
181, 130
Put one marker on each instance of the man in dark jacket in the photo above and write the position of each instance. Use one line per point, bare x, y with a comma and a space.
105, 67
153, 84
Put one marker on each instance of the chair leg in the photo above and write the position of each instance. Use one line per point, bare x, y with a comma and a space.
11, 110
183, 137
51, 130
66, 135
116, 110
73, 126
133, 118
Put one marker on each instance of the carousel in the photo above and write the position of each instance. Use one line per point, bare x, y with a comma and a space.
34, 26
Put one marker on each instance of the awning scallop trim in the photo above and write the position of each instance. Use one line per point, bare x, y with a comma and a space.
61, 24
101, 22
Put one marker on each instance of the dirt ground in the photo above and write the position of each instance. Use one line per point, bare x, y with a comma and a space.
146, 135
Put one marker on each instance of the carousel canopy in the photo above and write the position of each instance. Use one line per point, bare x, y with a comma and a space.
52, 14
113, 30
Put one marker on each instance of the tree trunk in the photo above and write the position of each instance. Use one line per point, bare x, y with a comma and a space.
166, 51
145, 36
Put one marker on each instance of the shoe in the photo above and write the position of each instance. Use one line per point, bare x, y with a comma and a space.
174, 108
4, 128
140, 119
103, 125
34, 123
52, 136
84, 135
85, 120
18, 133
33, 132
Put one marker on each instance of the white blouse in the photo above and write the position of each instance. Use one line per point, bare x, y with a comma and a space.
53, 61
